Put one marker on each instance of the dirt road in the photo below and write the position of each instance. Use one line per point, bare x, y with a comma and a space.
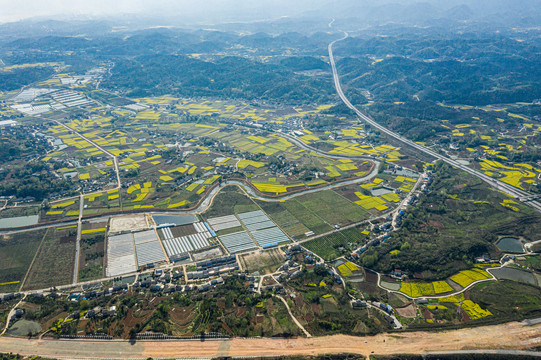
505, 336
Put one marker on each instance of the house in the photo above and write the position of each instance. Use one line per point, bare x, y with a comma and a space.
179, 257
75, 315
203, 288
390, 320
385, 307
120, 288
91, 294
507, 258
92, 313
295, 248
17, 314
482, 259
169, 289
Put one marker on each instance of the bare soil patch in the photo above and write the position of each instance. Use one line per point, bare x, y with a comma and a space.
408, 311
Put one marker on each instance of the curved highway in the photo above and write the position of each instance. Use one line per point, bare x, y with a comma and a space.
506, 188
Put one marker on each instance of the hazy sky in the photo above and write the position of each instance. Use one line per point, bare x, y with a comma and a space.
227, 10
12, 10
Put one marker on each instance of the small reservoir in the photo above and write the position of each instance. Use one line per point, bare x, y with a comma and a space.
514, 274
174, 219
18, 221
510, 244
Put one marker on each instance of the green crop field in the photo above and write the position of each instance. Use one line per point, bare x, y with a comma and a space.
507, 299
16, 254
91, 262
230, 200
54, 260
309, 218
316, 212
333, 208
328, 246
284, 218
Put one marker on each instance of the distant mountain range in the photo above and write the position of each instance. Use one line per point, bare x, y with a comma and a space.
301, 15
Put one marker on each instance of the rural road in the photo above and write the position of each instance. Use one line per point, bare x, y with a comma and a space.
78, 239
205, 203
10, 314
492, 278
114, 158
506, 188
509, 336
308, 335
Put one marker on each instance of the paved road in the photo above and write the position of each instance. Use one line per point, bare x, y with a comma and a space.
493, 278
305, 146
506, 188
253, 194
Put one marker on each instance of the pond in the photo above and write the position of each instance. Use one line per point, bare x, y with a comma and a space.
174, 219
514, 274
407, 173
18, 221
510, 244
380, 191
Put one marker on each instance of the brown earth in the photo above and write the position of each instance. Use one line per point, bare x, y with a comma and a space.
94, 225
436, 224
408, 311
512, 335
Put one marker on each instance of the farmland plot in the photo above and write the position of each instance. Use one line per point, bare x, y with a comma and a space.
54, 260
16, 254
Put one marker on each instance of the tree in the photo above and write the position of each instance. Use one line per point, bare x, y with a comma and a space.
85, 304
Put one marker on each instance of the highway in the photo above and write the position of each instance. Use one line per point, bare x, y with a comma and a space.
506, 188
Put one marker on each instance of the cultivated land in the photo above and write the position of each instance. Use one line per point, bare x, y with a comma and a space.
53, 263
252, 209
17, 253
